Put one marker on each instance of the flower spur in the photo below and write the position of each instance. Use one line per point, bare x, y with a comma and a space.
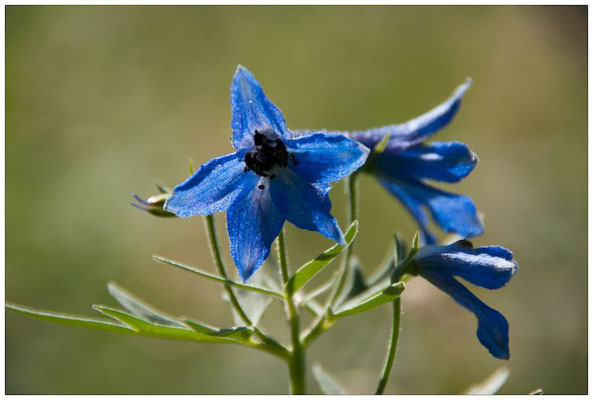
272, 177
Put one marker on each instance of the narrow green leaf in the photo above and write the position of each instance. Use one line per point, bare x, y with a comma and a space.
69, 319
313, 267
144, 328
162, 188
399, 250
239, 333
492, 384
327, 383
317, 292
140, 308
362, 303
355, 282
415, 242
382, 271
314, 308
207, 275
191, 167
378, 149
131, 325
401, 267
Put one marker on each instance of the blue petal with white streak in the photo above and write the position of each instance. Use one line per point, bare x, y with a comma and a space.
490, 267
441, 161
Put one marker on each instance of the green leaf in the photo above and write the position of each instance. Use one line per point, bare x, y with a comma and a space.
140, 308
382, 271
240, 333
144, 328
317, 292
492, 384
378, 149
191, 167
254, 303
207, 275
355, 281
327, 383
132, 325
401, 267
162, 188
313, 267
69, 319
400, 248
362, 303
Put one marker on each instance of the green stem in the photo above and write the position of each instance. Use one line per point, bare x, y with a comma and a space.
273, 346
296, 362
352, 204
324, 321
392, 349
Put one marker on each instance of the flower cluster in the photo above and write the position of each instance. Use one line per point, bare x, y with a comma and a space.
277, 175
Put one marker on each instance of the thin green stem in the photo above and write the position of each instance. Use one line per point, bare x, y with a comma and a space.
273, 345
296, 363
324, 321
392, 349
352, 204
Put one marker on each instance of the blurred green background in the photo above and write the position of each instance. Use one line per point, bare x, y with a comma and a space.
101, 100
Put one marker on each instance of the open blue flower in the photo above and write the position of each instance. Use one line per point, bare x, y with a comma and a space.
406, 163
272, 177
489, 267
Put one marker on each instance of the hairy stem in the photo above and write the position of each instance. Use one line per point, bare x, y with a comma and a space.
392, 349
272, 345
296, 362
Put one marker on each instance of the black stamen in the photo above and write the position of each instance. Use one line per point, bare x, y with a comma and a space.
269, 153
261, 187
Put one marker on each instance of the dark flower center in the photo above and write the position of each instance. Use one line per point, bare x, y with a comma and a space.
269, 152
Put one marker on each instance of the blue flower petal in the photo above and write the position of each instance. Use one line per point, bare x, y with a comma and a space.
446, 162
414, 206
489, 267
325, 157
252, 110
253, 222
418, 129
213, 187
452, 212
493, 328
305, 205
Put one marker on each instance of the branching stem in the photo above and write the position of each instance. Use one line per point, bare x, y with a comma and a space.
273, 346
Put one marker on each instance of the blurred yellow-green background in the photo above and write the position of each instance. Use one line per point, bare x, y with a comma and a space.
101, 100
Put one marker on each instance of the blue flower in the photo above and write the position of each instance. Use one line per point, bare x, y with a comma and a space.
406, 163
489, 267
272, 177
